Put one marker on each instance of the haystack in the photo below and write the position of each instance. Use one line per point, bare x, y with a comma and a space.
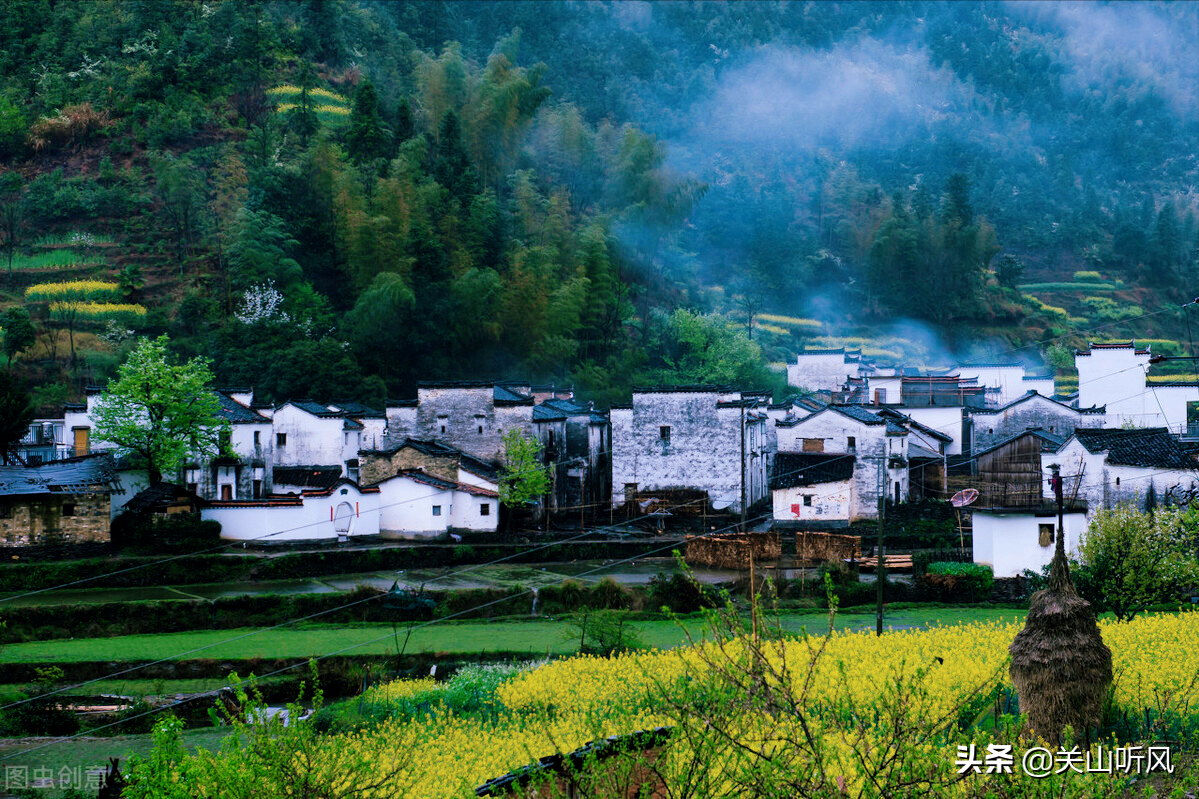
1060, 666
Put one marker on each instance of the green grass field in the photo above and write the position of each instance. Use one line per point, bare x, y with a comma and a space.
62, 763
536, 637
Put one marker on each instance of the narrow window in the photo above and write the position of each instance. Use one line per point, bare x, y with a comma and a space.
281, 439
664, 432
226, 492
257, 489
68, 509
485, 509
436, 510
443, 428
1117, 481
852, 444
807, 500
257, 438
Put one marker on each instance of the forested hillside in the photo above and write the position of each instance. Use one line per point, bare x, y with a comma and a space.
337, 199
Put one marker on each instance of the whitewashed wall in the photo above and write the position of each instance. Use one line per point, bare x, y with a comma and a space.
1010, 542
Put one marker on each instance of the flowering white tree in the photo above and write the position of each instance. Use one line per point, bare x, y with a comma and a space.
261, 303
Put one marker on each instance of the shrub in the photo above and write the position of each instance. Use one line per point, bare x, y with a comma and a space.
956, 582
1087, 276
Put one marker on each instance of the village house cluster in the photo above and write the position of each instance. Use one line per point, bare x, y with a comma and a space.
854, 436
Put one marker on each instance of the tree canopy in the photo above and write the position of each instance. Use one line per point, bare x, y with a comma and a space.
158, 409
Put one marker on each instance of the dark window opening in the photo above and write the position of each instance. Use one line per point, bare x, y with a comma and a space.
68, 509
192, 487
443, 428
480, 429
281, 439
485, 509
807, 500
852, 444
1117, 481
436, 510
664, 432
257, 438
257, 489
226, 492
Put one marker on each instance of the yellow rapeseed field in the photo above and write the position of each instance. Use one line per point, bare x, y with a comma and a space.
932, 673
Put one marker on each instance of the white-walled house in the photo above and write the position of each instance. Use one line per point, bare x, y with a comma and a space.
986, 427
310, 433
417, 505
338, 513
1010, 540
877, 445
691, 437
813, 489
1114, 375
1105, 467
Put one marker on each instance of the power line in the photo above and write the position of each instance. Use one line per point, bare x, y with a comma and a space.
361, 644
327, 611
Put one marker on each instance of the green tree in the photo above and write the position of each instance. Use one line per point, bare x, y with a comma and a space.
11, 184
1008, 271
710, 350
16, 412
368, 138
160, 410
523, 477
19, 334
303, 119
1133, 559
12, 128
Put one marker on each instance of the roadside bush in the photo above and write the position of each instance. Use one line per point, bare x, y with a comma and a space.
178, 532
682, 593
956, 582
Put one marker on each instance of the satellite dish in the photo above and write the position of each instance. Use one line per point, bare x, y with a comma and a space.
964, 497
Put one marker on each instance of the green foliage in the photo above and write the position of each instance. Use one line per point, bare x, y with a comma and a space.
956, 582
1087, 276
16, 412
1108, 310
13, 128
19, 334
177, 532
523, 477
1009, 270
603, 632
159, 410
1136, 559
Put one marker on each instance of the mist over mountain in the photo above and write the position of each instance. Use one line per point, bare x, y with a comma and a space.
602, 192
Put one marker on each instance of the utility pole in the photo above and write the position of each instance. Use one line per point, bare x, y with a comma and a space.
743, 508
880, 571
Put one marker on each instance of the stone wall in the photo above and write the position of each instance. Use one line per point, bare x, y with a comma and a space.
988, 429
376, 468
701, 449
467, 418
54, 518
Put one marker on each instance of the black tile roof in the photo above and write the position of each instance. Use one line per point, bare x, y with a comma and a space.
543, 414
359, 410
235, 413
436, 450
313, 407
1151, 447
84, 475
1049, 441
159, 496
859, 413
319, 477
1030, 395
797, 469
502, 395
